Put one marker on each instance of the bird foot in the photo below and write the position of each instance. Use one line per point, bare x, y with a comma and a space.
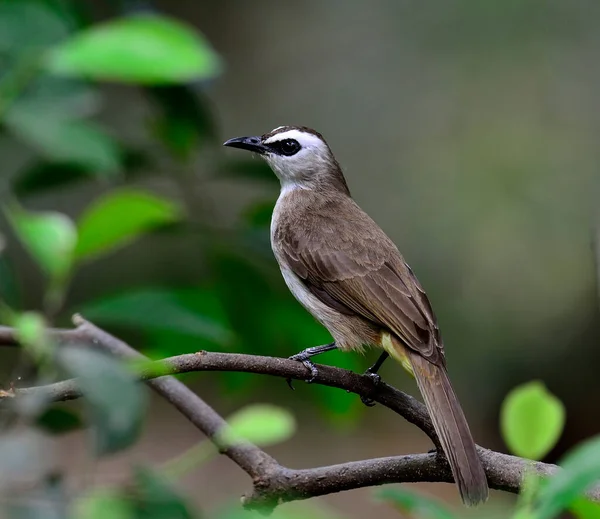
309, 364
369, 402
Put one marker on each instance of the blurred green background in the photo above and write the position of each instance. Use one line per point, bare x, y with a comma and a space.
468, 130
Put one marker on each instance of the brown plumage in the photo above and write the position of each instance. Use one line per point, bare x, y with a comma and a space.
346, 271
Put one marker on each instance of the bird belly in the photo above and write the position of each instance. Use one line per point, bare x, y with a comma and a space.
348, 332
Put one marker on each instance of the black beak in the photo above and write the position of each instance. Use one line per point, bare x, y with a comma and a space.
247, 143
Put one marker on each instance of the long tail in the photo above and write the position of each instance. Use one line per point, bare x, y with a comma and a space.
452, 429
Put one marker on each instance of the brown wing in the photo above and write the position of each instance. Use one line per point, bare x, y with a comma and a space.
367, 277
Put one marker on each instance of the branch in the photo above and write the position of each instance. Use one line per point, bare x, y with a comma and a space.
248, 457
274, 483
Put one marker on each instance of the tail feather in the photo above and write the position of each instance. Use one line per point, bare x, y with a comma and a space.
452, 429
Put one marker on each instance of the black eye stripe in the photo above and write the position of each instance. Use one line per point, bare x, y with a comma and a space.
287, 147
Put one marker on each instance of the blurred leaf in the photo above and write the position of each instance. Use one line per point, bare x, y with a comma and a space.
259, 215
261, 424
205, 304
294, 510
26, 457
115, 399
57, 420
48, 175
247, 309
31, 331
119, 217
180, 137
523, 513
9, 290
189, 460
155, 499
416, 505
104, 504
45, 175
58, 99
184, 122
585, 509
530, 487
138, 49
252, 169
49, 237
341, 408
47, 500
70, 140
29, 26
77, 13
291, 328
580, 470
155, 309
532, 420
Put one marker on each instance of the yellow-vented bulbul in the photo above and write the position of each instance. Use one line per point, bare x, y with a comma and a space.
350, 276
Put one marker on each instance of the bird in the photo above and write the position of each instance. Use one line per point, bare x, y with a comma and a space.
342, 267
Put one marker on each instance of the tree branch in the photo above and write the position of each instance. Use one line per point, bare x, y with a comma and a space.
274, 483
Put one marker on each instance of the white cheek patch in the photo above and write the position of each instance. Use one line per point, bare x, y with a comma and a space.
289, 168
306, 140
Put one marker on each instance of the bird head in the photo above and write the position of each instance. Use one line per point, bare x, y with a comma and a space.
299, 156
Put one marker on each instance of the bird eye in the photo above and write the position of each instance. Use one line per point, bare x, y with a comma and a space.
289, 147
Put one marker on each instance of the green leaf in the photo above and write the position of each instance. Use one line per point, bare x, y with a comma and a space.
31, 331
261, 424
30, 328
138, 49
585, 509
115, 399
530, 486
57, 420
155, 499
532, 420
49, 237
523, 513
156, 309
62, 139
416, 505
104, 504
119, 217
580, 470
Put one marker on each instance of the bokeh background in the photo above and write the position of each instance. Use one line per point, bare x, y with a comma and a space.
468, 130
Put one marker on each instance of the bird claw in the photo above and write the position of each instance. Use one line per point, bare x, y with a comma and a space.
309, 364
369, 402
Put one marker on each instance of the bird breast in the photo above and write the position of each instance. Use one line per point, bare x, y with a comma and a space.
350, 332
